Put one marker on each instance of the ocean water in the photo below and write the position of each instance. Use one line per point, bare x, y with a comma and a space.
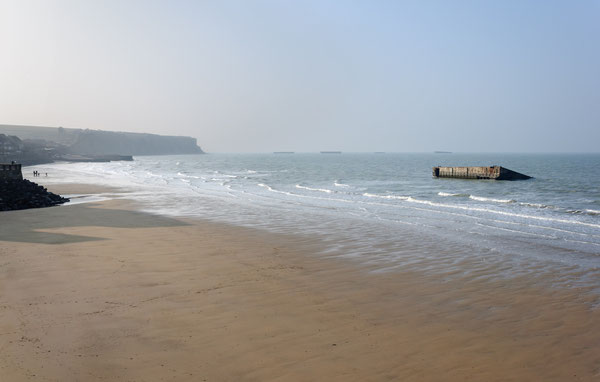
386, 210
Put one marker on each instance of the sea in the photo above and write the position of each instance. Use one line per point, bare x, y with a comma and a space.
384, 210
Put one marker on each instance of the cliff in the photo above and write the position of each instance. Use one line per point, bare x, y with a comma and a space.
100, 142
97, 142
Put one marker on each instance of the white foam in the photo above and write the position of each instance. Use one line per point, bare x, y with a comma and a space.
503, 213
441, 193
399, 197
536, 205
266, 186
315, 189
479, 209
276, 191
446, 194
225, 175
483, 199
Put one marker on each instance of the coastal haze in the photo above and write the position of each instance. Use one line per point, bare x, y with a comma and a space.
308, 76
331, 232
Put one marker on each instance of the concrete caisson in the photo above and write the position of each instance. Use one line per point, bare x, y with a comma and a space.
482, 172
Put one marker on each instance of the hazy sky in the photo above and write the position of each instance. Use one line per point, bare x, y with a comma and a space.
261, 76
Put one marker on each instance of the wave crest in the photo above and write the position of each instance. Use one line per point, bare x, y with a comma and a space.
484, 199
315, 189
399, 197
441, 193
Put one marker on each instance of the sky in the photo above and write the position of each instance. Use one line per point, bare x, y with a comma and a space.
355, 76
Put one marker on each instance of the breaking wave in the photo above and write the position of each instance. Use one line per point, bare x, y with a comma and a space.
315, 189
483, 199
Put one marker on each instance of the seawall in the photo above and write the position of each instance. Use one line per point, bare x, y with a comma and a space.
17, 193
11, 171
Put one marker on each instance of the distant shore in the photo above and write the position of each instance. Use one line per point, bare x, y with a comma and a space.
102, 291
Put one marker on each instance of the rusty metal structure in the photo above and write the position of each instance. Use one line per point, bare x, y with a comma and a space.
490, 172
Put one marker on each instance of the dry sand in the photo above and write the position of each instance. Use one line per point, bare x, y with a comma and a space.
102, 292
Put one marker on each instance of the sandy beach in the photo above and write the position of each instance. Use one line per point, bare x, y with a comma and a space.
105, 292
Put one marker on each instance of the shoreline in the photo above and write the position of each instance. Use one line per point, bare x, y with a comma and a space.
96, 291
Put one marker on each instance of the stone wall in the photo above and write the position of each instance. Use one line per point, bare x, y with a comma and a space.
10, 171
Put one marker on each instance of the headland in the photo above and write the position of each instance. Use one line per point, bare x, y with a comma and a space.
31, 145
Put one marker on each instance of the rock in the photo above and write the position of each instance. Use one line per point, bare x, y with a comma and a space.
19, 194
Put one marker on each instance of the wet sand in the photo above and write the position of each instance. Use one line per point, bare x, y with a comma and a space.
104, 292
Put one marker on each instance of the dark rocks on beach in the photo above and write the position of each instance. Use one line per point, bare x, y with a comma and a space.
23, 194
